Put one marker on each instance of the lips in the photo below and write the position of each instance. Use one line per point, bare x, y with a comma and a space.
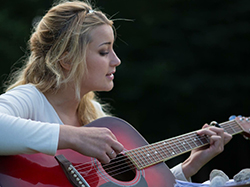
111, 75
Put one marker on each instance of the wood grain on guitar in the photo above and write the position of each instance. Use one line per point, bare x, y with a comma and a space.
139, 165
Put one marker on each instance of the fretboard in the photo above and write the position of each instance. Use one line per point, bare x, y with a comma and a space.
148, 155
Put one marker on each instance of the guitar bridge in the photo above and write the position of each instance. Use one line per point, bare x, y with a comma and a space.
72, 174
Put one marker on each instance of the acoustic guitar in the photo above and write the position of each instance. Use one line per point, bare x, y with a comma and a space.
139, 165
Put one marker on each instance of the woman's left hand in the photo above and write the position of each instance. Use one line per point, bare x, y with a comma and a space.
200, 156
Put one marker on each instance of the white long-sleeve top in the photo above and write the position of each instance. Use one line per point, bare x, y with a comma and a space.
29, 124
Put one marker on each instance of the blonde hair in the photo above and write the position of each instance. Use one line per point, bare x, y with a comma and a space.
62, 34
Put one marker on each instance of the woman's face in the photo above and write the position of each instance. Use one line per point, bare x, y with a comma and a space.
101, 60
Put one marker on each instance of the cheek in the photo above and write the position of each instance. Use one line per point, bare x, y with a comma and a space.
93, 62
95, 73
94, 70
97, 67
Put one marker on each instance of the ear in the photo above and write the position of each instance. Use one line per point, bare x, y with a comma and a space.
66, 65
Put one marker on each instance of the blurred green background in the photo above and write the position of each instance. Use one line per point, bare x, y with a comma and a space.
184, 63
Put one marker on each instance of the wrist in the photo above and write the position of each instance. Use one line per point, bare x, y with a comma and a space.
66, 137
189, 168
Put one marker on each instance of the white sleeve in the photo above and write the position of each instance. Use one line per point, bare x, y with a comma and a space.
19, 133
22, 136
178, 173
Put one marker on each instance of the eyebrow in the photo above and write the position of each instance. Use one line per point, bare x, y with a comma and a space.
105, 43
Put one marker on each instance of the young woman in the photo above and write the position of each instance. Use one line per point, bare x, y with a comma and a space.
52, 97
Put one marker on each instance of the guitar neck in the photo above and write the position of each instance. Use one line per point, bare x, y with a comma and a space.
164, 150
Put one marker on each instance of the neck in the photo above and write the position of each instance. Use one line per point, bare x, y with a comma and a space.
65, 104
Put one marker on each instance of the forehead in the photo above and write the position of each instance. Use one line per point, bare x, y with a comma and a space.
101, 34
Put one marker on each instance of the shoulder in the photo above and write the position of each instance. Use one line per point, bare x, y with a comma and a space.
21, 100
25, 89
25, 92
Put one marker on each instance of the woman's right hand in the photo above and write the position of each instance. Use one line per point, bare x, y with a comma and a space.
96, 142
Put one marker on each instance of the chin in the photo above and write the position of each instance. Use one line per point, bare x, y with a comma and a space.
107, 89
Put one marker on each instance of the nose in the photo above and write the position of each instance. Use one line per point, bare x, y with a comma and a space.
115, 60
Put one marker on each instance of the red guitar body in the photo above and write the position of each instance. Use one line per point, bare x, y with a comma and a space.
44, 171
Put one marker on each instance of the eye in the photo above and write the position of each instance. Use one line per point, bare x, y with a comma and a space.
103, 53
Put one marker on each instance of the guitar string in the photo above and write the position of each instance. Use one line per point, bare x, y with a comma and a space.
164, 146
147, 147
95, 178
120, 169
115, 171
173, 140
130, 168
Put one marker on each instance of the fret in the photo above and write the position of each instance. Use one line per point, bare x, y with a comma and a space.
167, 148
204, 139
138, 158
164, 150
135, 158
186, 143
231, 127
146, 156
154, 154
192, 141
200, 138
178, 150
180, 142
141, 153
195, 140
149, 156
158, 155
159, 151
162, 144
172, 151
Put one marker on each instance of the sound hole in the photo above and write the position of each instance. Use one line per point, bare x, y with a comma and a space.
120, 168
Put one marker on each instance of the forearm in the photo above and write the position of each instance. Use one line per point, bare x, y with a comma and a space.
67, 137
190, 168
